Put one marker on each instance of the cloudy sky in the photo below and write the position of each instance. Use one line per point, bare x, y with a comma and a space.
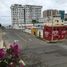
5, 14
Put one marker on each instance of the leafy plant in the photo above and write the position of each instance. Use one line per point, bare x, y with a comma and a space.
35, 21
10, 56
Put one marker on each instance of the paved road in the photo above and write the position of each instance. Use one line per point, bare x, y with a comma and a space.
26, 40
35, 50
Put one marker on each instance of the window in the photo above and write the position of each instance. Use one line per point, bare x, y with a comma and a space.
57, 20
19, 26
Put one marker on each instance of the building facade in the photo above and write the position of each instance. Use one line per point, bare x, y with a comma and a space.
32, 12
54, 13
62, 12
22, 15
65, 17
17, 16
48, 13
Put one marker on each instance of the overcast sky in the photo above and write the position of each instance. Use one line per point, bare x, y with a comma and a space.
5, 14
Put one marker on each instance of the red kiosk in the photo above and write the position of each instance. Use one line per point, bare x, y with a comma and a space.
54, 32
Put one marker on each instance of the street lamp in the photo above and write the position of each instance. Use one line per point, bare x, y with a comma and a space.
24, 18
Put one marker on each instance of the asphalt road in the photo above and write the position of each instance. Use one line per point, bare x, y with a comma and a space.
36, 50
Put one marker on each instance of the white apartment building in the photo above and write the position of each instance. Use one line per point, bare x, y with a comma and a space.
22, 15
32, 12
17, 16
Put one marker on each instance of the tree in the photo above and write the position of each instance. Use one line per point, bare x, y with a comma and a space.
0, 25
35, 21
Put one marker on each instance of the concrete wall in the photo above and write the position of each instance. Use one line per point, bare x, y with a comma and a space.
41, 33
28, 30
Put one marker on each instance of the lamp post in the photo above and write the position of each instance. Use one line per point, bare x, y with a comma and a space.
24, 19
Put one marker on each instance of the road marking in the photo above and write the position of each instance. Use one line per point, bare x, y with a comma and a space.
30, 39
16, 40
20, 36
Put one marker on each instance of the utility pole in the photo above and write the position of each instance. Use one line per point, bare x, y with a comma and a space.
52, 25
24, 19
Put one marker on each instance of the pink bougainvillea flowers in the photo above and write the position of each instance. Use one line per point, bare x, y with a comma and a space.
2, 54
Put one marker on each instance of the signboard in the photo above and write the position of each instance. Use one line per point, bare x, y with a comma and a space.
28, 26
55, 33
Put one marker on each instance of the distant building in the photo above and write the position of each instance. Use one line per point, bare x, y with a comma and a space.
53, 13
22, 15
32, 12
62, 12
48, 13
41, 20
65, 17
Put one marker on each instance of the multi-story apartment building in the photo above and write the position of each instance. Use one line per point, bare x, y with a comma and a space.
17, 15
32, 12
48, 13
62, 13
65, 17
22, 15
53, 13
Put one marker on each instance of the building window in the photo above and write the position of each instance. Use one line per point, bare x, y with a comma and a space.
57, 20
19, 26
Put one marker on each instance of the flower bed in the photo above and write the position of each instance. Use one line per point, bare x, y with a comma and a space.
11, 57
